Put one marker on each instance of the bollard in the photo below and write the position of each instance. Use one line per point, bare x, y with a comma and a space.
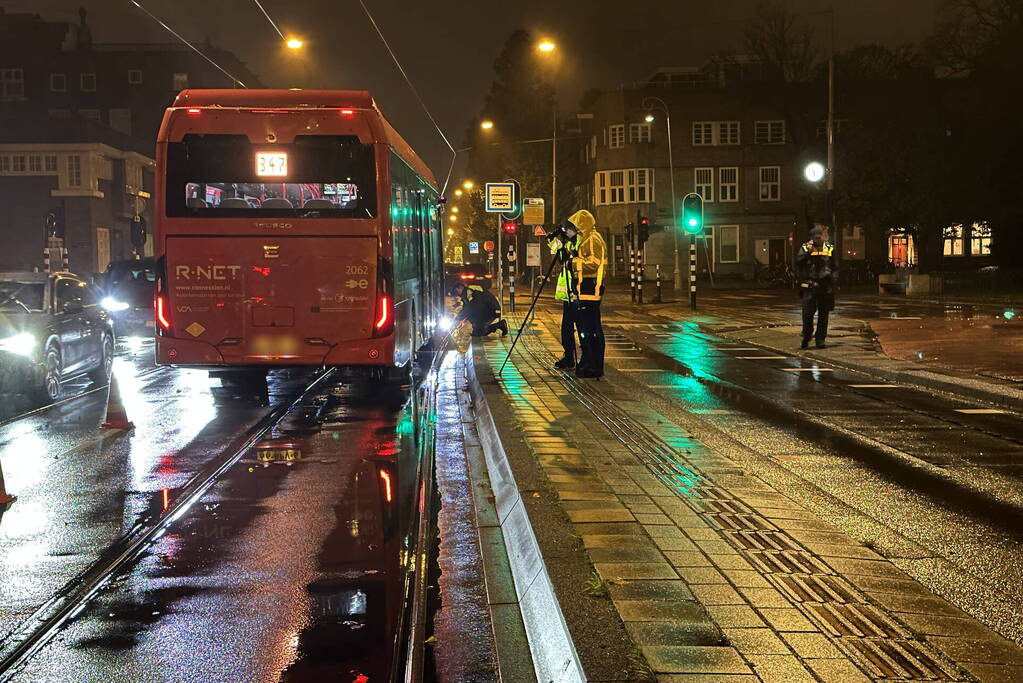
639, 274
632, 275
511, 286
657, 296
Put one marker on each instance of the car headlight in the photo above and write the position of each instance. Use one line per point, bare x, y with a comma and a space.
112, 304
23, 344
445, 323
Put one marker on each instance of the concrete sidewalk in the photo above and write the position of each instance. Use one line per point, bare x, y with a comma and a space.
715, 574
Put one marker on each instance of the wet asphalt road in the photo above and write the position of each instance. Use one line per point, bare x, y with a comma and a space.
933, 488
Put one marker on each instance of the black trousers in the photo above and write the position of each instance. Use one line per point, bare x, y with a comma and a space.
591, 336
819, 303
481, 328
568, 328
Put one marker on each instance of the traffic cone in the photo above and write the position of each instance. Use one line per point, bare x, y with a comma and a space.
5, 498
117, 418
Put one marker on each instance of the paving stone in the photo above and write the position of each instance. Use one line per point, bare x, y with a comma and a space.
699, 575
940, 625
730, 562
716, 548
616, 541
705, 678
745, 579
635, 570
711, 594
578, 494
665, 532
597, 515
653, 519
652, 589
674, 633
916, 604
883, 584
687, 559
624, 554
780, 669
786, 619
570, 505
994, 673
675, 543
837, 671
995, 650
764, 597
688, 520
703, 534
857, 552
661, 610
865, 567
811, 645
643, 509
756, 641
695, 659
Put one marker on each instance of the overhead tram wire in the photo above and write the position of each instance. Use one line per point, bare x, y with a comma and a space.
272, 22
193, 47
454, 153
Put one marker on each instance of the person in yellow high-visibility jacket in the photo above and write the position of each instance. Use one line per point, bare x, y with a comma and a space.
564, 248
588, 269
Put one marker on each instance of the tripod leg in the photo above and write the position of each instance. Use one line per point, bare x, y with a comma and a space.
525, 320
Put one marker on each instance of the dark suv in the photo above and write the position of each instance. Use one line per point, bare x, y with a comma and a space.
52, 328
128, 288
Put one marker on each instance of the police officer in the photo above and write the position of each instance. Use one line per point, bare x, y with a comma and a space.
482, 310
818, 272
564, 247
588, 283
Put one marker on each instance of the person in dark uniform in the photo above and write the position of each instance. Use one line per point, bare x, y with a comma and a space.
818, 273
483, 311
588, 280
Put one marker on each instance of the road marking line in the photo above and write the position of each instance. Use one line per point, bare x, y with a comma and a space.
808, 369
713, 412
640, 370
981, 411
875, 386
762, 357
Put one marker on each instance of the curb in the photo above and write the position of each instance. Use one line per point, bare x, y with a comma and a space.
550, 642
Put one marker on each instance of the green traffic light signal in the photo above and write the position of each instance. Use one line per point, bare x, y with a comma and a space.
692, 213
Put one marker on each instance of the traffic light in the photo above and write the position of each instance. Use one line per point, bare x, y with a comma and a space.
509, 226
516, 201
644, 230
138, 233
692, 213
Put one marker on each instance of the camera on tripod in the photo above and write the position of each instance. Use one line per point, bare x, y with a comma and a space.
562, 231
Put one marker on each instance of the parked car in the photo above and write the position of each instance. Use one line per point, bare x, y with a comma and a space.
52, 329
128, 288
468, 274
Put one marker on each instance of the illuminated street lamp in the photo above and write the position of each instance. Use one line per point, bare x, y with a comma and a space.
453, 217
458, 193
814, 171
294, 43
454, 209
649, 118
451, 232
468, 185
546, 46
486, 125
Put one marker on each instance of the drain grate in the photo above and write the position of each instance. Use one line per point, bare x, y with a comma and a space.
793, 562
727, 521
814, 588
901, 660
853, 619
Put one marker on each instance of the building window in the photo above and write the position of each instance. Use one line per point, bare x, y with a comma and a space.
134, 76
770, 183
89, 114
728, 243
19, 163
728, 184
179, 81
640, 185
980, 239
12, 84
35, 163
616, 136
616, 187
58, 82
953, 240
88, 82
728, 132
703, 133
704, 183
50, 163
74, 170
601, 187
639, 132
769, 132
5, 164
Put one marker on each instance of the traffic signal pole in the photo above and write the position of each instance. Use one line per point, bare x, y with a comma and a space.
692, 272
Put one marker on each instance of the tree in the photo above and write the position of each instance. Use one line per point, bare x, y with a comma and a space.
781, 44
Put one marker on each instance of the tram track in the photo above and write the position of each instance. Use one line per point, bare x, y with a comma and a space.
40, 627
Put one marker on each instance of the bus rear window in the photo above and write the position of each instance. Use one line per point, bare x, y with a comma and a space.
317, 176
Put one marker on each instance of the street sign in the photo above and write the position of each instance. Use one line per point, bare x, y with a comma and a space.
500, 198
458, 254
538, 231
474, 247
488, 245
532, 254
532, 211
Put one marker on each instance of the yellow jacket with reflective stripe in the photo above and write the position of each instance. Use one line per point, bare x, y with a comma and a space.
589, 264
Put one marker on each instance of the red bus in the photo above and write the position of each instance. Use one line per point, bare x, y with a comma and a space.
293, 227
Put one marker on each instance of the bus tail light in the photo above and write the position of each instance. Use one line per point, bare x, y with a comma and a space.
193, 111
384, 316
347, 112
161, 312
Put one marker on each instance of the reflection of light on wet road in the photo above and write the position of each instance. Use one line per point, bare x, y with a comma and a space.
23, 457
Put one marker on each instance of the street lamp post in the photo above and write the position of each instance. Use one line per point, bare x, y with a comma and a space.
547, 47
671, 175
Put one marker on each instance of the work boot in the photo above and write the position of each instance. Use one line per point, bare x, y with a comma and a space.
588, 373
567, 362
821, 345
503, 326
804, 344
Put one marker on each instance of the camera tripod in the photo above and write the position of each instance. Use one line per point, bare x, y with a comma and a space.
525, 320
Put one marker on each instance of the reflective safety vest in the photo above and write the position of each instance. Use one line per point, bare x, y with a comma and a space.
564, 289
589, 265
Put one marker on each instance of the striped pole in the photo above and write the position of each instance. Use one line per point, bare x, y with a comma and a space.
632, 273
639, 273
657, 297
511, 278
692, 272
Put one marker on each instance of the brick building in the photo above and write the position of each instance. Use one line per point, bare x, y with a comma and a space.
78, 124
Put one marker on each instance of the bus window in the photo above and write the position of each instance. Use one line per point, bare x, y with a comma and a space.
227, 176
